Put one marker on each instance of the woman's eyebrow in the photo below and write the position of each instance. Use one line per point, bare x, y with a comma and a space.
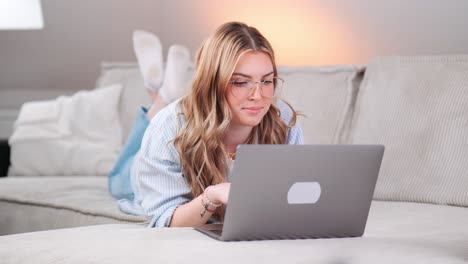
248, 76
270, 73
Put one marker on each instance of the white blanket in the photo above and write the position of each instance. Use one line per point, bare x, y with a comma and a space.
71, 135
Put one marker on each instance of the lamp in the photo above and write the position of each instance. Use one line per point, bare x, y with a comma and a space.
20, 15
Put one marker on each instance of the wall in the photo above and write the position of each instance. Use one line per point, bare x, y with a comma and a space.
64, 57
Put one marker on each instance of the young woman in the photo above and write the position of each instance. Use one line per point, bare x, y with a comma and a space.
179, 177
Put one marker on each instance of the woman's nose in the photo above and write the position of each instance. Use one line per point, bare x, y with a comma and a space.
257, 91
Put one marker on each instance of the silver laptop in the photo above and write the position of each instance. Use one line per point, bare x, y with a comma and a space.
299, 191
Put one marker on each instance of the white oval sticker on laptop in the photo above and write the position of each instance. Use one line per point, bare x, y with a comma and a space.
304, 193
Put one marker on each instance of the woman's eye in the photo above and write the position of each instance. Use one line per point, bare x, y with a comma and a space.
268, 82
240, 84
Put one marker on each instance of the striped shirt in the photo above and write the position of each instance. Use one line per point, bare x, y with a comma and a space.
156, 174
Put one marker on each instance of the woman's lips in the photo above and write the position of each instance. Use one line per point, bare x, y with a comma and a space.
253, 110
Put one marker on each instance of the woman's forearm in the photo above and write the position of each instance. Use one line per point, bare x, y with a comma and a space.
194, 213
189, 214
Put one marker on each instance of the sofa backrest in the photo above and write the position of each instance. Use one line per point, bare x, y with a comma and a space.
418, 108
325, 95
133, 94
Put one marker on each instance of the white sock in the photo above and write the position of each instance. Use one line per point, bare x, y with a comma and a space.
175, 83
148, 51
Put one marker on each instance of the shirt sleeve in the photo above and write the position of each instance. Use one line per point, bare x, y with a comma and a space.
295, 135
157, 178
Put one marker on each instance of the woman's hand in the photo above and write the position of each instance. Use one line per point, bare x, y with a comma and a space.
219, 193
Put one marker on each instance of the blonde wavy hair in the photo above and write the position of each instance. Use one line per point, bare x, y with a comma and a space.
207, 113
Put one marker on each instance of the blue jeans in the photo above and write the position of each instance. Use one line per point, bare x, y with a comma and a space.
119, 178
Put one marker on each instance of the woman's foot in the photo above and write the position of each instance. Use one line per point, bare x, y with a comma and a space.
175, 83
148, 51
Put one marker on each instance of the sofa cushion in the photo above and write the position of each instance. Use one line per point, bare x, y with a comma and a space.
395, 233
325, 95
417, 107
30, 204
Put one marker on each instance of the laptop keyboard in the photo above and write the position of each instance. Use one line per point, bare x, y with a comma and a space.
217, 232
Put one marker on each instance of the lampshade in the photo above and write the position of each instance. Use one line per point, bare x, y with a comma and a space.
20, 15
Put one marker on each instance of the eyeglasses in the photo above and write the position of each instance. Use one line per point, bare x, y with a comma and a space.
269, 87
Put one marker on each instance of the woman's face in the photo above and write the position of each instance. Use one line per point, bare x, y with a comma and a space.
248, 108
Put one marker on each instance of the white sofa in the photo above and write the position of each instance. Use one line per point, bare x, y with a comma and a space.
415, 106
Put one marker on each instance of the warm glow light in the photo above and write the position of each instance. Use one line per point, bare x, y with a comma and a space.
298, 35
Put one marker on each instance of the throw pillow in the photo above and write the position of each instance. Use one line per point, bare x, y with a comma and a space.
417, 107
326, 96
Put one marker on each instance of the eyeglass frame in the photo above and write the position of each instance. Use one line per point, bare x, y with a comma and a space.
254, 84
